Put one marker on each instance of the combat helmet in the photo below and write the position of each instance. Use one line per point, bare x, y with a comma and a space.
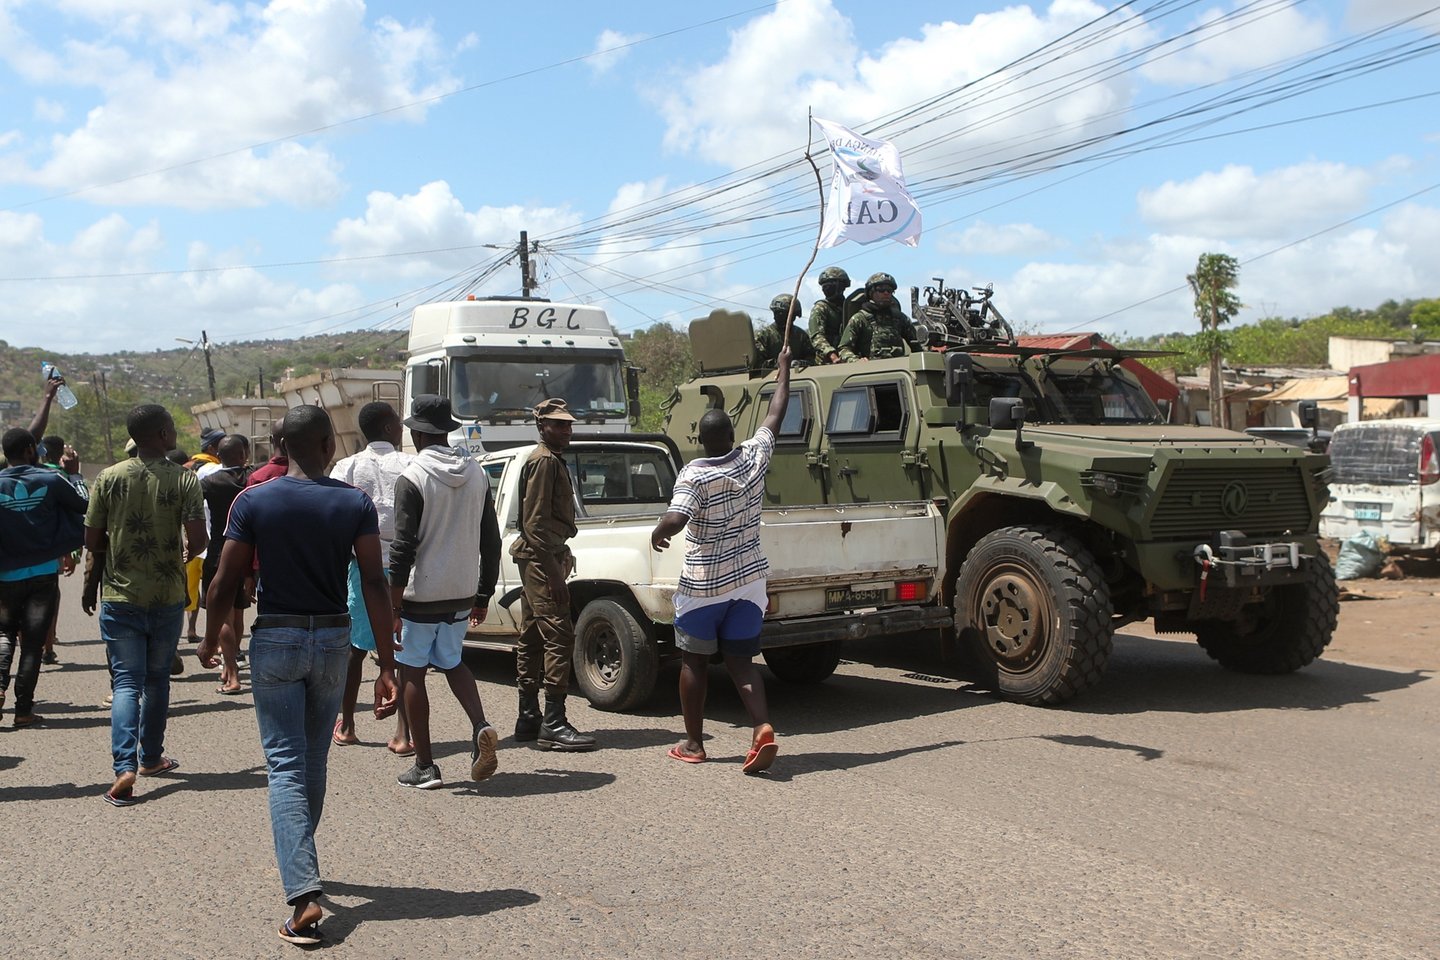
881, 280
782, 302
836, 274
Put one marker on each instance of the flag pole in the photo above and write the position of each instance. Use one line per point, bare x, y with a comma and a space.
819, 230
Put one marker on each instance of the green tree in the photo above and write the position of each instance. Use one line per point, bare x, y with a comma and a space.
664, 354
1212, 284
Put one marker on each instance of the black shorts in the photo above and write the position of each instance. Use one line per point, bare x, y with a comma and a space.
207, 574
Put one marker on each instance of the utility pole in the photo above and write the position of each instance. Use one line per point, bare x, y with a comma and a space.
209, 369
102, 395
261, 381
527, 269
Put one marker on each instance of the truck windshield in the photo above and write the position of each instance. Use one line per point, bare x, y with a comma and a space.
1084, 394
494, 387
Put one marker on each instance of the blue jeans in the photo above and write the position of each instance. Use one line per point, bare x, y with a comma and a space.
297, 677
140, 643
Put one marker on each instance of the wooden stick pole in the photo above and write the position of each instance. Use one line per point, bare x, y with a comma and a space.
819, 230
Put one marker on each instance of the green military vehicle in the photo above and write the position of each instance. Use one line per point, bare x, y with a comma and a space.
1068, 506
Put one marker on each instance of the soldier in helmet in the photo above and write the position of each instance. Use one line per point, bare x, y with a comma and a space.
879, 329
827, 317
769, 339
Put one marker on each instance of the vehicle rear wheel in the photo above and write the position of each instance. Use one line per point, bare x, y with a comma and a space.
1291, 628
1033, 613
616, 662
809, 663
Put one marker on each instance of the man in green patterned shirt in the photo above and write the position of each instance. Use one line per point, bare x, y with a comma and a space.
138, 510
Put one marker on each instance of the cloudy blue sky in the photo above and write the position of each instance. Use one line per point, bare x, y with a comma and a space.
298, 166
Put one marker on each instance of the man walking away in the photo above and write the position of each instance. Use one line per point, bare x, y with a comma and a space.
220, 487
720, 602
42, 519
375, 471
138, 509
547, 521
305, 527
445, 533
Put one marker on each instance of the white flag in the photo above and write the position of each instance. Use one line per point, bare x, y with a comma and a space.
868, 198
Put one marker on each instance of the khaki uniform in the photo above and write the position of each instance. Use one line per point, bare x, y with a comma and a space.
873, 334
769, 340
547, 521
827, 322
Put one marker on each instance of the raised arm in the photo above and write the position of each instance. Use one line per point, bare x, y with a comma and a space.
781, 398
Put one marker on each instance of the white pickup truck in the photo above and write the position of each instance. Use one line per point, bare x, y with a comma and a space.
837, 572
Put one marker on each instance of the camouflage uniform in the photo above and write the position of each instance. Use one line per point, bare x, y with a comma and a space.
768, 340
876, 335
827, 322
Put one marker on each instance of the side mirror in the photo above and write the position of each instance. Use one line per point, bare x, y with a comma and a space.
632, 392
1309, 414
1007, 413
958, 367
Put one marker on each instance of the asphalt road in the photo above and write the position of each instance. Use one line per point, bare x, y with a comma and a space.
1177, 811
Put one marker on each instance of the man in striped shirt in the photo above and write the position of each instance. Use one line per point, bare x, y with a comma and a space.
720, 602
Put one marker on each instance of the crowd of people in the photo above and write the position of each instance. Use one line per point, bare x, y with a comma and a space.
387, 554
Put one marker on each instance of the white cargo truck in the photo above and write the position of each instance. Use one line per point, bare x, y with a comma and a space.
497, 357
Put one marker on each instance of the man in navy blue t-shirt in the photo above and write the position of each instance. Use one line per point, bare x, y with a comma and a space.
304, 527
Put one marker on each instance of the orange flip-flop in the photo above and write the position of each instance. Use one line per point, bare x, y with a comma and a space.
761, 755
677, 754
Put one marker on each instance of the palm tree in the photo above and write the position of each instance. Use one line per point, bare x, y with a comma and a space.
1214, 277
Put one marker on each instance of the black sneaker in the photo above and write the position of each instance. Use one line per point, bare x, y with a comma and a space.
482, 752
49, 659
177, 666
421, 778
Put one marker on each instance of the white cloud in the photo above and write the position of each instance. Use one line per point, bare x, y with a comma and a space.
1358, 267
1237, 202
49, 111
291, 66
1221, 46
751, 104
1368, 14
1004, 239
433, 218
606, 55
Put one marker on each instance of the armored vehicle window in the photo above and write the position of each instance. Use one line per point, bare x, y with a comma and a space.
875, 409
799, 413
1096, 395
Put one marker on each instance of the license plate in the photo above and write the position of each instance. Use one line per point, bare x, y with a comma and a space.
1367, 511
837, 597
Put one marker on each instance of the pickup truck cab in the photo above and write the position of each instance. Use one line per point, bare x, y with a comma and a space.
837, 571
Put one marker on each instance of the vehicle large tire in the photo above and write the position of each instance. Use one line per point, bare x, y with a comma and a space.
1291, 628
809, 663
616, 662
1033, 611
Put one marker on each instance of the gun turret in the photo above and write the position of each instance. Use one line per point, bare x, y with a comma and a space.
953, 317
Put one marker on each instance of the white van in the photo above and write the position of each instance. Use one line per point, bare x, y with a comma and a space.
1385, 478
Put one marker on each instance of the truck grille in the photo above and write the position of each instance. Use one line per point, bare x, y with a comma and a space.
1197, 503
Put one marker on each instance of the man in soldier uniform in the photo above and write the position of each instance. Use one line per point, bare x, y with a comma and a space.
769, 339
879, 329
547, 640
827, 317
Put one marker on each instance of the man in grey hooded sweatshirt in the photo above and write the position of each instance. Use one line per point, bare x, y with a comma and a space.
444, 563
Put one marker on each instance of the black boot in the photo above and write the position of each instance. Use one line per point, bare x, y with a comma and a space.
527, 723
556, 732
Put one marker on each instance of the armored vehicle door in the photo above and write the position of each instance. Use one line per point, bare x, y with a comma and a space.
797, 472
871, 431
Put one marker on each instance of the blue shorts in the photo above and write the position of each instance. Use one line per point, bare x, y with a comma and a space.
432, 644
730, 627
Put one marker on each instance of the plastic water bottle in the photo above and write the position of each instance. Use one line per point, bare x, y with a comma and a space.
64, 394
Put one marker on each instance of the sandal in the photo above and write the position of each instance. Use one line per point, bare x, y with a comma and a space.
125, 798
408, 751
305, 936
337, 738
677, 754
166, 765
761, 755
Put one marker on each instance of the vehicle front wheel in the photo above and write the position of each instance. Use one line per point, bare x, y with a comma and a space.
1033, 613
1289, 629
616, 662
809, 663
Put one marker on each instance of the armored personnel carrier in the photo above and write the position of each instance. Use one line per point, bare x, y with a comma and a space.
1066, 506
